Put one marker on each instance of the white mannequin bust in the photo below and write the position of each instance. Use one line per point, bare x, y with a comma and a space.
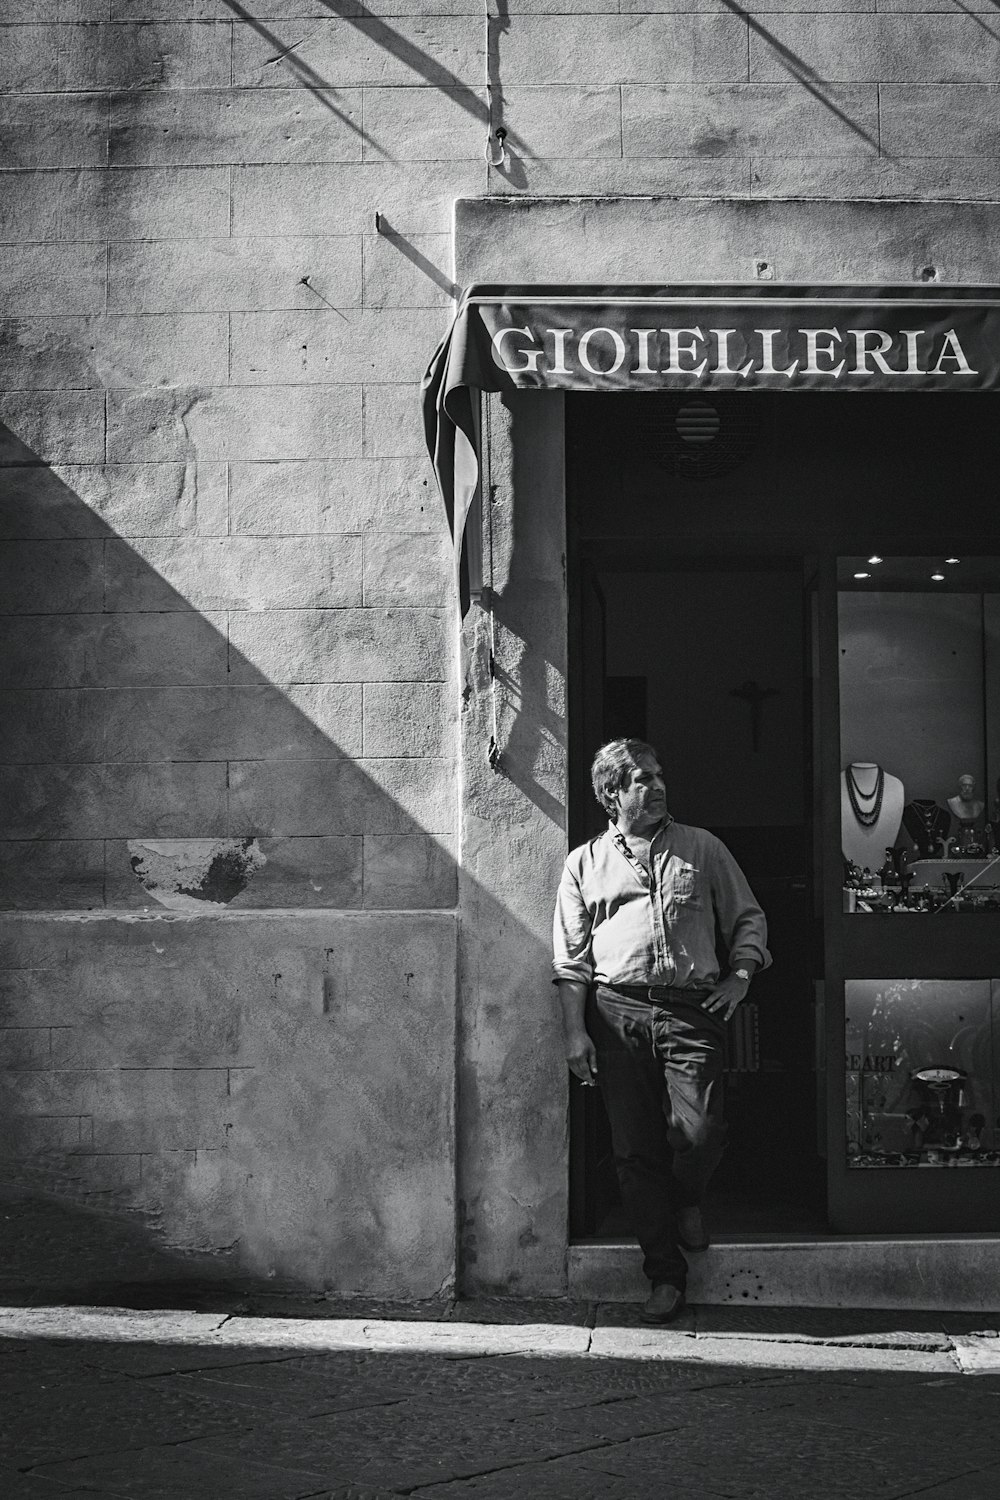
871, 810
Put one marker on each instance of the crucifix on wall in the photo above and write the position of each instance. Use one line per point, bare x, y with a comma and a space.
754, 696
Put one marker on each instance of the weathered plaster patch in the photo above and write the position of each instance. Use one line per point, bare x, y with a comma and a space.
190, 873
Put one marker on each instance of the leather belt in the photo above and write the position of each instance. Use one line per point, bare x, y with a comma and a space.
654, 994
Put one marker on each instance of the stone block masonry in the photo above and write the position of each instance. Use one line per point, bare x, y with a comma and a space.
258, 1082
217, 531
58, 353
228, 673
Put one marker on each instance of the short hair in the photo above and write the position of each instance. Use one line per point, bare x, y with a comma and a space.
613, 765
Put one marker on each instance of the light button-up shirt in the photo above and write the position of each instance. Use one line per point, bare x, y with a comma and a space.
618, 923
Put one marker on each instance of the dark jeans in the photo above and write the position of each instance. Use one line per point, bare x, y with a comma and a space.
659, 1067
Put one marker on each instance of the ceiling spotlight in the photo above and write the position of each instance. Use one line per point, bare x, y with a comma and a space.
937, 578
953, 559
862, 575
874, 560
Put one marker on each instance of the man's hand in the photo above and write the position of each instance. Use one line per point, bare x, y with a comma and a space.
726, 996
581, 1054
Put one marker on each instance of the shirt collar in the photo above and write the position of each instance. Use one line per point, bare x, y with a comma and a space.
617, 837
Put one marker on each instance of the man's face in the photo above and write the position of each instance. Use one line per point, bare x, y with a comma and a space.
967, 785
642, 801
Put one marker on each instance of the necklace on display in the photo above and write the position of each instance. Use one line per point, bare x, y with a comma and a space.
928, 812
867, 815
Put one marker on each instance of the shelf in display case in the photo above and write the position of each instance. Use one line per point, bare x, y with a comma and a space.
925, 945
985, 872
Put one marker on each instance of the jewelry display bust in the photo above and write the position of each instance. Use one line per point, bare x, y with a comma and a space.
928, 825
871, 810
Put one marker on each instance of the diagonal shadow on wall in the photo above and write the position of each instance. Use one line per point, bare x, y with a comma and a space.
427, 71
302, 72
805, 75
229, 953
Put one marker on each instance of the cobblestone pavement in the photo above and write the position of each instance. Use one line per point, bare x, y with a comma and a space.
124, 1373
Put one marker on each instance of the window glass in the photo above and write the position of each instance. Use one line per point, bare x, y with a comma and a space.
919, 655
922, 1072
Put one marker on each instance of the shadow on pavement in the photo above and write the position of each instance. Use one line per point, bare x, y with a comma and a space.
191, 1411
247, 1392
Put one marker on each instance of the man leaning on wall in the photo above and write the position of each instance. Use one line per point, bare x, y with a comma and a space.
639, 912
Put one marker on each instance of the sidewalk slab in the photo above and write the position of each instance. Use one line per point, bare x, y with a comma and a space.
480, 1338
981, 1485
432, 1445
184, 1471
122, 1326
559, 1479
863, 1327
113, 1325
15, 1486
740, 1459
654, 1343
978, 1354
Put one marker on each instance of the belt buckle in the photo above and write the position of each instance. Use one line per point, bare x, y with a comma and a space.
659, 992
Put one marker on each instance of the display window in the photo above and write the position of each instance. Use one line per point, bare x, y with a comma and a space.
919, 642
922, 1072
919, 798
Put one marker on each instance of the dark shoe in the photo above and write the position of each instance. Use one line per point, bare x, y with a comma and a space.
664, 1305
691, 1231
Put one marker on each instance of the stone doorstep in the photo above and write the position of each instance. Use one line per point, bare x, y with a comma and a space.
956, 1272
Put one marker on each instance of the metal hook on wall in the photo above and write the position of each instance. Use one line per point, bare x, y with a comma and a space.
496, 151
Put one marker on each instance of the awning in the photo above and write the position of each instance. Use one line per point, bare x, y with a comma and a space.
761, 337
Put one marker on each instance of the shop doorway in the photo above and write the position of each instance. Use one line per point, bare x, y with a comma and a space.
723, 606
709, 662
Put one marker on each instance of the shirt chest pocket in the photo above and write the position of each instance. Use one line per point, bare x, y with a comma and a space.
684, 883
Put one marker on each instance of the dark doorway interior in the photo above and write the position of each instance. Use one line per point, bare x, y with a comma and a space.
686, 635
709, 663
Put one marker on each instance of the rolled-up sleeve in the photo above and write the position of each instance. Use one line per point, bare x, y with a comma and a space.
741, 922
571, 931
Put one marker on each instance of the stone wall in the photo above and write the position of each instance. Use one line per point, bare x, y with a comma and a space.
275, 1088
228, 671
229, 701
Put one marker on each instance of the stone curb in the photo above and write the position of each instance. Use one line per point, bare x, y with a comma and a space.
951, 1354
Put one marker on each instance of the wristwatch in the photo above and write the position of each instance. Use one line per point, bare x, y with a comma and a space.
743, 974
